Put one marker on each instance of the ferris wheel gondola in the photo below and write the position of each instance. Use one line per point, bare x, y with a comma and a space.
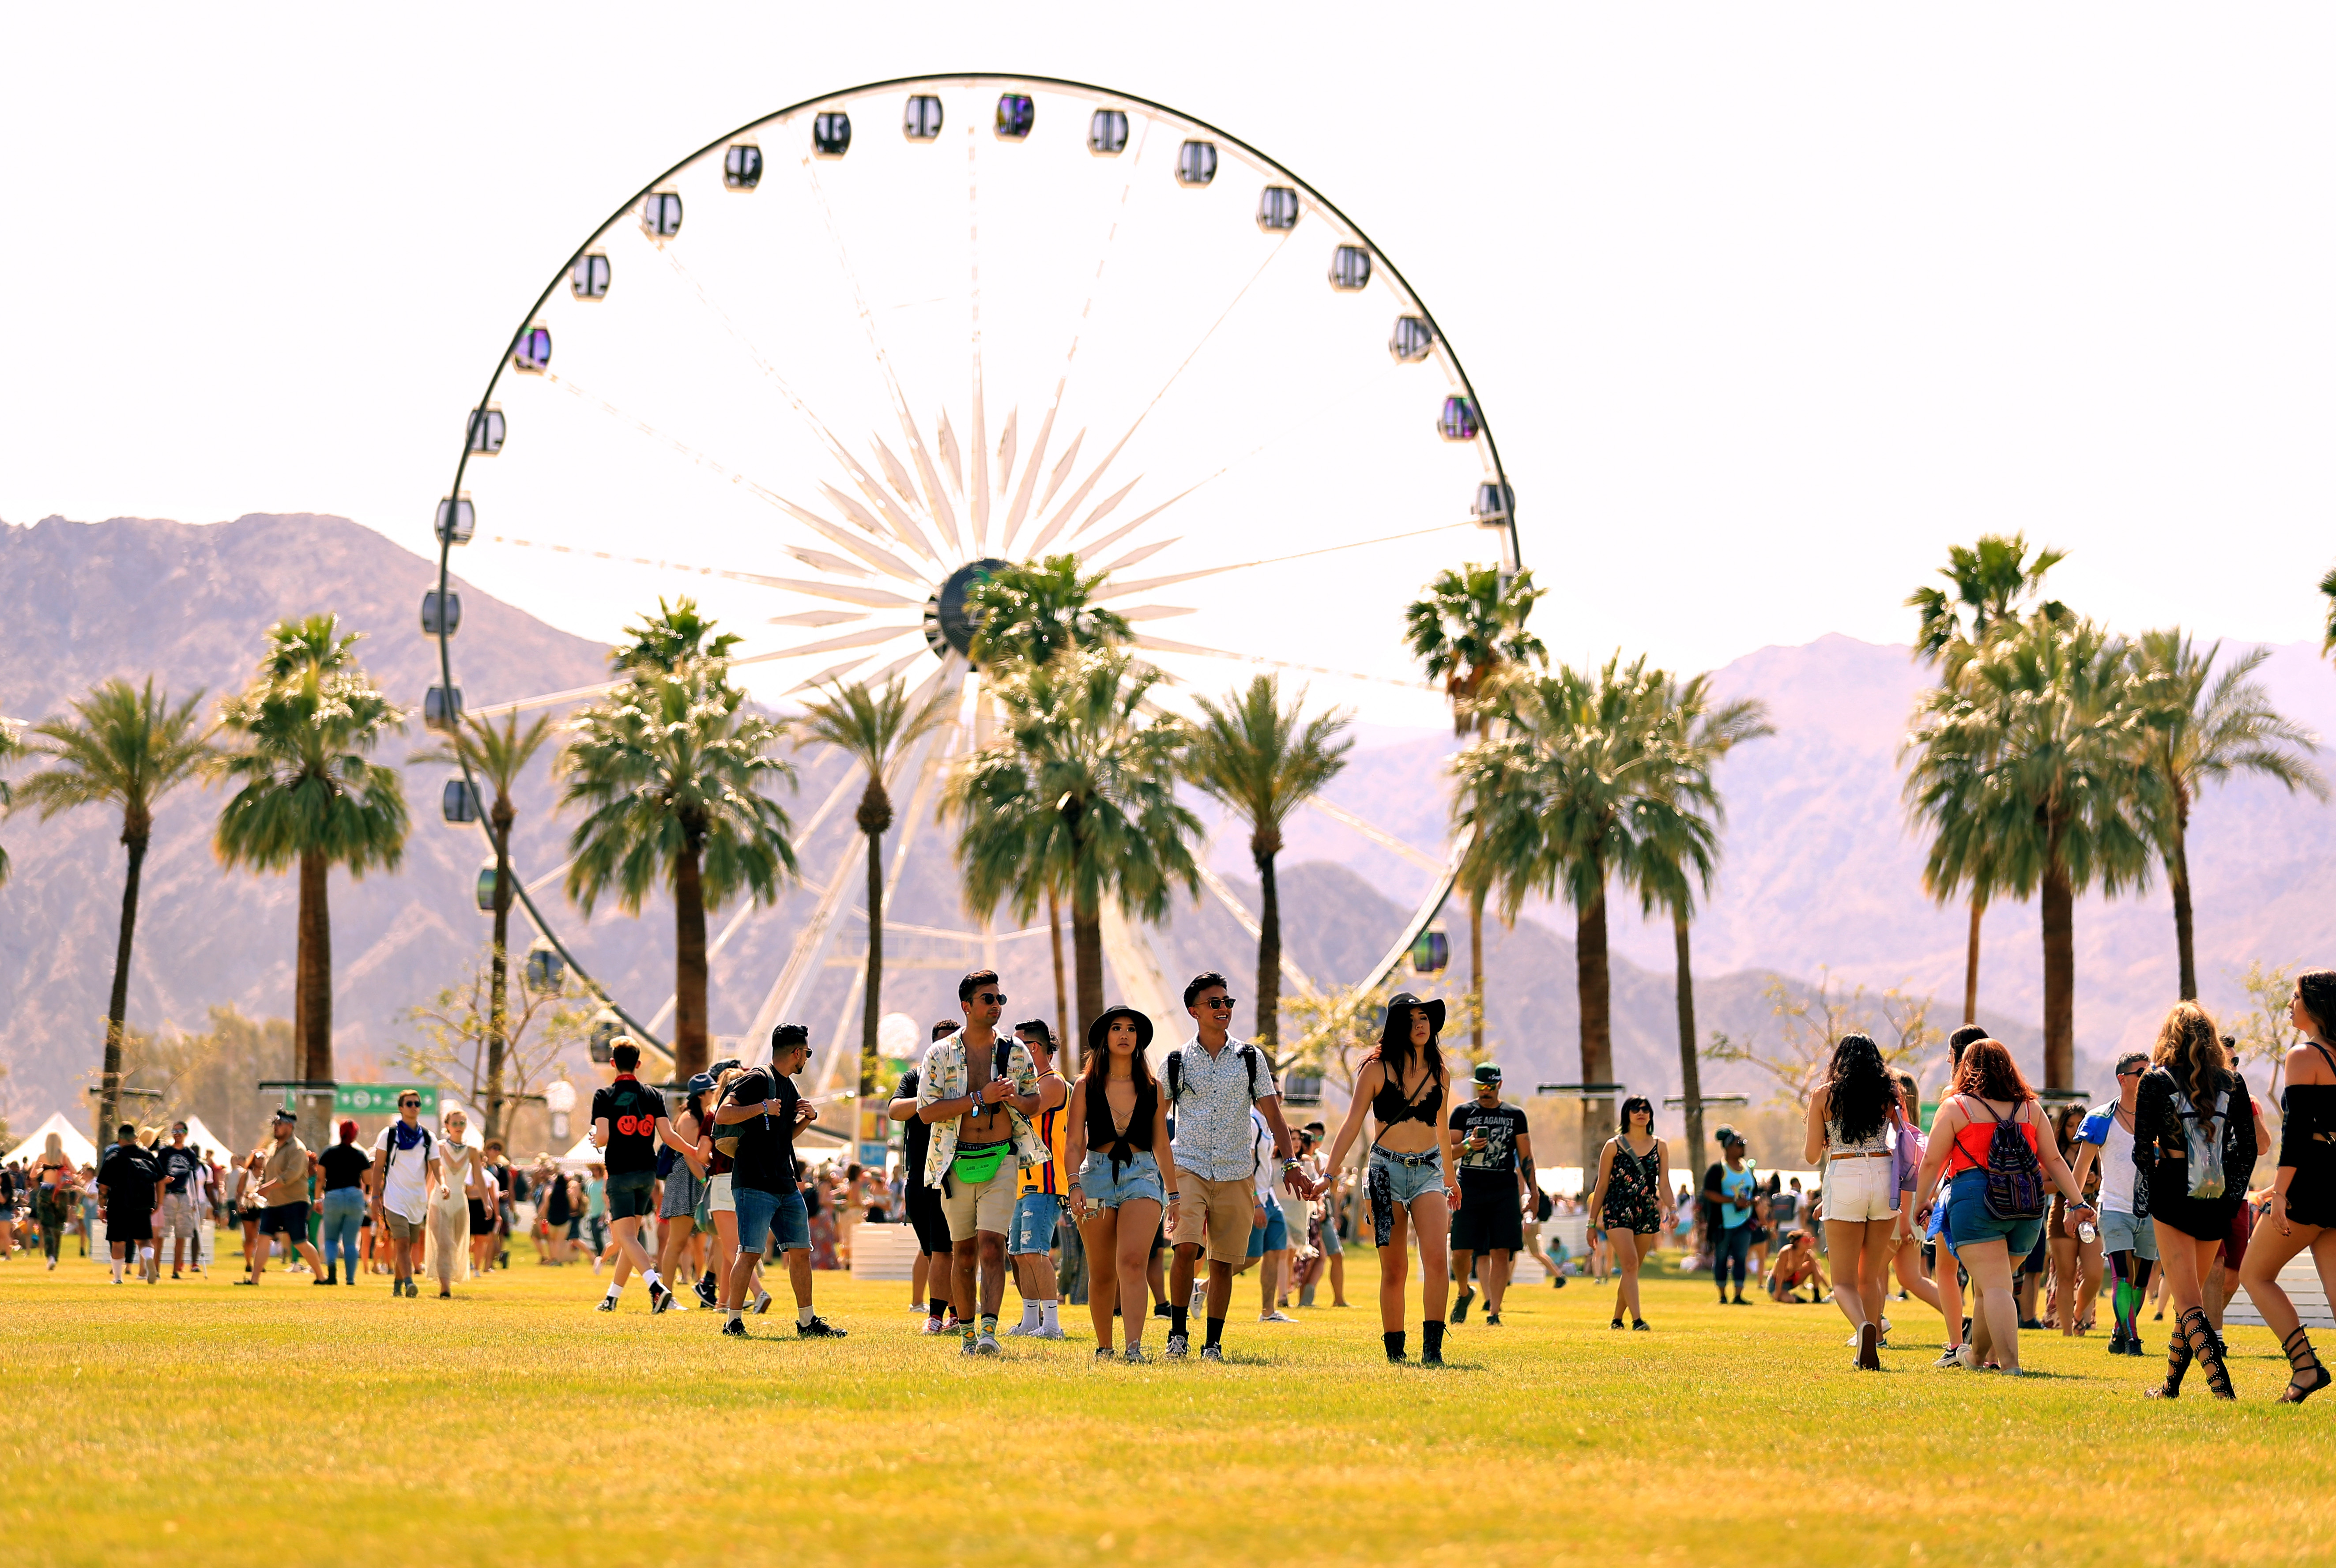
825, 383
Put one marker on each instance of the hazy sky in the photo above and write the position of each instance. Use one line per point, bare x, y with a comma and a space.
1766, 304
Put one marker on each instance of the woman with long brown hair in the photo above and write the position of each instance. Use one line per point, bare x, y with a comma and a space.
1403, 1086
2193, 1146
1988, 1140
1115, 1137
2302, 1213
2076, 1257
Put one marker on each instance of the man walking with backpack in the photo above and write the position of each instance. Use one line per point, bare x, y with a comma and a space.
1212, 1083
978, 1092
404, 1169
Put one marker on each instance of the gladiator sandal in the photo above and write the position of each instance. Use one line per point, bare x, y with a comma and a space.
2302, 1361
2177, 1362
2206, 1348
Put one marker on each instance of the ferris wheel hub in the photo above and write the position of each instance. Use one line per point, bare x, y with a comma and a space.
949, 627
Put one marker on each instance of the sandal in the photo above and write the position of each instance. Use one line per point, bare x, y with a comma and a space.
2300, 1358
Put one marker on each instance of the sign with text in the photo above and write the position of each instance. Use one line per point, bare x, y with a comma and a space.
380, 1099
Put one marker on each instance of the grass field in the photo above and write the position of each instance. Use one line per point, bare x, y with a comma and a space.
196, 1423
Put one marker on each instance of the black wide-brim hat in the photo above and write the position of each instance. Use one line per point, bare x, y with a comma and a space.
1100, 1030
1403, 1000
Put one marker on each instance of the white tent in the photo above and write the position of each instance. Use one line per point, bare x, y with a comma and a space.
199, 1137
78, 1149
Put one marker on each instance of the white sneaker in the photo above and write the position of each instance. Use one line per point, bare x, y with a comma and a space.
1200, 1306
1043, 1332
1276, 1317
1019, 1330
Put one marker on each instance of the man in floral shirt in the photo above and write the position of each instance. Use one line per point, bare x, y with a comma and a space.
978, 1092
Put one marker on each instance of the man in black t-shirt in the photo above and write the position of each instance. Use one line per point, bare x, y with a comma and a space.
126, 1181
629, 1119
931, 1282
1492, 1149
178, 1164
762, 1109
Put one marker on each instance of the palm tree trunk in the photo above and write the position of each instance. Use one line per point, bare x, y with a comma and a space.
689, 1042
1086, 955
1268, 952
117, 1007
1971, 964
2058, 906
1072, 1039
871, 1001
1590, 984
498, 972
1690, 1068
2178, 871
313, 971
1476, 970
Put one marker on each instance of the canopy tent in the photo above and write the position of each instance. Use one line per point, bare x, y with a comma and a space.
199, 1137
78, 1149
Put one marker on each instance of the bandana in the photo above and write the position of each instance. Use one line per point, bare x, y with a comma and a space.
402, 1136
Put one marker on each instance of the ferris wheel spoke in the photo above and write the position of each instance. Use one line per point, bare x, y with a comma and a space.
977, 496
874, 555
1249, 922
1110, 590
1022, 507
1165, 645
827, 436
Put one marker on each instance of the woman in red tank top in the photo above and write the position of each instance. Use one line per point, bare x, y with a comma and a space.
1989, 1093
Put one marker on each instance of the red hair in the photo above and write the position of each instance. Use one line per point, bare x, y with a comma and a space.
348, 1132
1989, 1071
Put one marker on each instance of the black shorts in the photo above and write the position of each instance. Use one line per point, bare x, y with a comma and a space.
137, 1227
632, 1195
480, 1222
924, 1205
1488, 1222
285, 1220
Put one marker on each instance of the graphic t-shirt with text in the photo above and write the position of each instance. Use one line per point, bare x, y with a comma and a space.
1495, 1166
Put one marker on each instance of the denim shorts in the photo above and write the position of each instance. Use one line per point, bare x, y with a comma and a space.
1968, 1219
1273, 1236
2125, 1234
1139, 1178
760, 1213
1392, 1185
1034, 1214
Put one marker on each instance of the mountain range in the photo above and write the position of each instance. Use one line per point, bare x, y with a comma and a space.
1818, 872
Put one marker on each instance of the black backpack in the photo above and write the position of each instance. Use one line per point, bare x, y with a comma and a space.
1176, 1073
2015, 1177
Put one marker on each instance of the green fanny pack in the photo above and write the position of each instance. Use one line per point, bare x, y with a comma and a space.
976, 1166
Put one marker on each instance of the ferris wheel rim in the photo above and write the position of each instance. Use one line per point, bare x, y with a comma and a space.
1443, 884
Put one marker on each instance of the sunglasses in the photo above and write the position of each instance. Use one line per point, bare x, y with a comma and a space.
1218, 1004
995, 998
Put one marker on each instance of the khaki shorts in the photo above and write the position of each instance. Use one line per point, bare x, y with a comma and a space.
402, 1229
988, 1208
1226, 1209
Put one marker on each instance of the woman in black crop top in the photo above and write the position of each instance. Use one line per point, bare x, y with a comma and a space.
1115, 1137
2191, 1092
2302, 1213
1402, 1085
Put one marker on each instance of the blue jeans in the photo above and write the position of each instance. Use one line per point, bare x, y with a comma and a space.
762, 1213
1734, 1246
344, 1209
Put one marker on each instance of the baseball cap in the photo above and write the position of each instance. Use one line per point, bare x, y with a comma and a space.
1487, 1073
1728, 1134
700, 1083
285, 1115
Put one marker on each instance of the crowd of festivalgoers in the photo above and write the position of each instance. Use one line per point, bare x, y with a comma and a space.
1145, 1197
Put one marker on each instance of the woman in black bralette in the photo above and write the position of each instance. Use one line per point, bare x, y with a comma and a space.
2303, 1212
1115, 1138
1402, 1085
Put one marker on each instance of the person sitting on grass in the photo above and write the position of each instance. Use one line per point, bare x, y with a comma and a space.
1796, 1265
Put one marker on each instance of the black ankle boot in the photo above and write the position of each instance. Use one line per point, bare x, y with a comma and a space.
1394, 1338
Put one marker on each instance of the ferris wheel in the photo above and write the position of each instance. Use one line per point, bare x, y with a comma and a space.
827, 371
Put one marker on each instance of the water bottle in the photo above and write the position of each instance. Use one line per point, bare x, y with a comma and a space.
2085, 1231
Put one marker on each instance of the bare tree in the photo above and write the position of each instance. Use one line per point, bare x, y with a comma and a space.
2266, 1032
1810, 1022
457, 1031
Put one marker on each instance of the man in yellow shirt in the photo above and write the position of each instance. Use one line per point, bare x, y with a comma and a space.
1038, 1206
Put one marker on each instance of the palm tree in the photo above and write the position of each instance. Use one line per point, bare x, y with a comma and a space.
1076, 798
2031, 766
1263, 760
669, 769
1468, 629
1992, 581
128, 747
2202, 734
499, 755
1676, 864
1030, 613
1586, 775
873, 728
309, 796
12, 746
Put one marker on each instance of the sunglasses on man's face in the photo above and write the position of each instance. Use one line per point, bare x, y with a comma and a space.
992, 998
1218, 1004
